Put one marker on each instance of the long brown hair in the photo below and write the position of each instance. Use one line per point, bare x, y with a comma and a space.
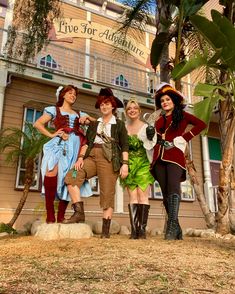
63, 92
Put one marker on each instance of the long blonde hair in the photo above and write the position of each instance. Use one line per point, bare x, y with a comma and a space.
134, 101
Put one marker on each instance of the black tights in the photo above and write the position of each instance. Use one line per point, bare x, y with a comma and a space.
169, 177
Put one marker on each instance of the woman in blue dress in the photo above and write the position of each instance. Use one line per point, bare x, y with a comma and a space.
139, 178
61, 151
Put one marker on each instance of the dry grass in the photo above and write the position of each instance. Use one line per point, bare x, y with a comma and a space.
117, 265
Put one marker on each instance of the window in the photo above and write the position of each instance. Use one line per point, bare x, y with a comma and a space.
186, 191
48, 61
121, 81
215, 155
30, 115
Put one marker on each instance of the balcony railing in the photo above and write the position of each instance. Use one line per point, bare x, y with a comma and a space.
93, 68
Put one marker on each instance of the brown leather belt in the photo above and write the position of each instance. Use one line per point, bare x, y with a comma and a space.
95, 145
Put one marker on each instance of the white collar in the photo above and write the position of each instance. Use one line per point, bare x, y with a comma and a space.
112, 121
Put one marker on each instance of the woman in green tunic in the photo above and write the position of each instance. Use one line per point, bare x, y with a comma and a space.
139, 178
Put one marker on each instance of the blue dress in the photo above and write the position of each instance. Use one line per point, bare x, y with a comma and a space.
64, 154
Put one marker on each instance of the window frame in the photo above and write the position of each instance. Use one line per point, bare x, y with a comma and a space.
36, 106
53, 61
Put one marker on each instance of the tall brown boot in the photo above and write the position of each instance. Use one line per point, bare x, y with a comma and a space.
143, 219
63, 204
50, 184
105, 228
78, 216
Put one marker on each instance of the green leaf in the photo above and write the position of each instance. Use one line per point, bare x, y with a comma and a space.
225, 26
186, 67
191, 7
207, 90
202, 110
210, 31
217, 36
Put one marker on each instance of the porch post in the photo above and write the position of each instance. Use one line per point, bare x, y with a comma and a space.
3, 83
119, 198
208, 190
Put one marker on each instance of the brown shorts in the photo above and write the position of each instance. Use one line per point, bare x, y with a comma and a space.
96, 165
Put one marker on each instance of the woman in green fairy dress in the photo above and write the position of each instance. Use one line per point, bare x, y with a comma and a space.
139, 178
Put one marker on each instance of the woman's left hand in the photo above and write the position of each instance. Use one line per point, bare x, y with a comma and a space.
124, 171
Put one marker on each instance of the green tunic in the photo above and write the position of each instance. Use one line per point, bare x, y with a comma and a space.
139, 174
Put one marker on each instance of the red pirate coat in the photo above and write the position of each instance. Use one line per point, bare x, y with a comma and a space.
168, 133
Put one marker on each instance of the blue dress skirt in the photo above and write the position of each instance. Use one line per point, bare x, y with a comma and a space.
64, 154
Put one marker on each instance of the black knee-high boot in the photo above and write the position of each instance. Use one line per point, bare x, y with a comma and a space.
173, 230
133, 213
143, 219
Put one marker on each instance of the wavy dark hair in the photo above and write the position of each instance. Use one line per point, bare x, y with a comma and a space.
177, 113
63, 92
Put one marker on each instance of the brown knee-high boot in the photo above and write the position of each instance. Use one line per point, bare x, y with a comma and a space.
78, 215
105, 228
63, 204
50, 184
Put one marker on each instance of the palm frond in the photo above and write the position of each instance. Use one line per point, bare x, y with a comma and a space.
27, 143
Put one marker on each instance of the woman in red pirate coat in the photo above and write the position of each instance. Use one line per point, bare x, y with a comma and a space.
61, 151
168, 165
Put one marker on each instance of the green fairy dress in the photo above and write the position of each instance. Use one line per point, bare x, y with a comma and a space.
139, 174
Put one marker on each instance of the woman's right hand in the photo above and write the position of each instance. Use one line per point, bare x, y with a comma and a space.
60, 133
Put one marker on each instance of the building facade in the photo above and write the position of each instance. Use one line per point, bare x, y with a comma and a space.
83, 51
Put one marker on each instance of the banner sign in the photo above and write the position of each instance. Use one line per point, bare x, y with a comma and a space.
76, 28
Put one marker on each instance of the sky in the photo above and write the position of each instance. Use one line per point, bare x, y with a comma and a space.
151, 3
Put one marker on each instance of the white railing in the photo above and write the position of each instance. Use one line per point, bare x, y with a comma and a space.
97, 69
91, 67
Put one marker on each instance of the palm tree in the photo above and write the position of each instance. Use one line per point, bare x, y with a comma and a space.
26, 145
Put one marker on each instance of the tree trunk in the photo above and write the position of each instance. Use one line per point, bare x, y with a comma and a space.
20, 204
231, 214
164, 68
224, 189
29, 164
209, 216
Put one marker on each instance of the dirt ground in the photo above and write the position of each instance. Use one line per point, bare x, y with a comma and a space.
117, 265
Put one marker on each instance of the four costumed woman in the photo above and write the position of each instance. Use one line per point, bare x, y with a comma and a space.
82, 157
